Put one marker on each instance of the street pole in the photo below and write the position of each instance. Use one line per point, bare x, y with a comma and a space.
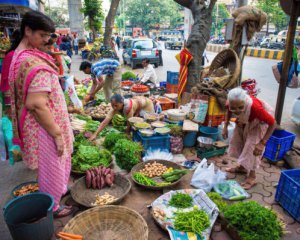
287, 60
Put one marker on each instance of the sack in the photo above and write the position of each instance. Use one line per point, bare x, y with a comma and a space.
293, 80
70, 87
205, 176
198, 110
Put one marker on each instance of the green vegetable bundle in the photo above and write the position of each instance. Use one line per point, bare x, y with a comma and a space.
82, 117
181, 200
92, 126
107, 131
144, 180
127, 153
195, 221
217, 199
253, 221
119, 122
112, 138
80, 140
87, 157
174, 175
128, 75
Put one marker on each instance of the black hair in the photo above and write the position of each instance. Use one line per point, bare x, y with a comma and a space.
84, 65
50, 42
146, 60
118, 98
35, 20
64, 39
54, 35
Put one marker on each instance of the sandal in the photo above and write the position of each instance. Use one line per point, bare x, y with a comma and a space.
238, 169
63, 211
248, 184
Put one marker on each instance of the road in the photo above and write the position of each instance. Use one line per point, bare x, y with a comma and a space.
254, 68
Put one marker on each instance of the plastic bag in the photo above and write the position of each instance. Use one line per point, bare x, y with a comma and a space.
157, 154
70, 87
198, 110
231, 190
205, 176
2, 144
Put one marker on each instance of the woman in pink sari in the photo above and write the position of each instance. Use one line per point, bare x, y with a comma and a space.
255, 125
39, 113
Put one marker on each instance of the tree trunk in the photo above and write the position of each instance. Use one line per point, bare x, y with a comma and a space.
267, 31
92, 27
241, 3
199, 36
110, 20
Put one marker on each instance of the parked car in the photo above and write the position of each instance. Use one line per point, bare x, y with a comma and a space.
125, 41
173, 43
139, 49
296, 112
276, 45
265, 42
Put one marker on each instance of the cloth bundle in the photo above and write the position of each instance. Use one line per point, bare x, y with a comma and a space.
254, 19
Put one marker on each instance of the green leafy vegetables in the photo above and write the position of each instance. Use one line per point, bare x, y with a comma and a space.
217, 199
144, 180
128, 75
92, 126
195, 221
108, 130
253, 221
86, 155
127, 153
119, 122
111, 139
181, 200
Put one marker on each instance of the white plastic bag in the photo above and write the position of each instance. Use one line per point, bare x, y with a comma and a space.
205, 176
72, 92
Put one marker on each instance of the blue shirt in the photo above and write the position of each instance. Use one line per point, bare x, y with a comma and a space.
105, 66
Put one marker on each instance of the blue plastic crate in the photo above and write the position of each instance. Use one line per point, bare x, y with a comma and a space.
279, 143
288, 192
155, 142
172, 77
163, 84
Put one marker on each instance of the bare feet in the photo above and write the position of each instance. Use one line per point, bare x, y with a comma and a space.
237, 169
249, 183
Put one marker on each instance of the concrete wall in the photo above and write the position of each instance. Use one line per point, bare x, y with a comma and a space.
76, 17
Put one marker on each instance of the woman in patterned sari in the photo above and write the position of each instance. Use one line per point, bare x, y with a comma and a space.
39, 113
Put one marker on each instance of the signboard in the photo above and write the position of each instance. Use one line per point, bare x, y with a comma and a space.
33, 4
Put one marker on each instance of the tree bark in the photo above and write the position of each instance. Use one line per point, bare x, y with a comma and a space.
110, 20
199, 36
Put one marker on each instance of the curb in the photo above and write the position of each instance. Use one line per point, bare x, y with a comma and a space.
252, 52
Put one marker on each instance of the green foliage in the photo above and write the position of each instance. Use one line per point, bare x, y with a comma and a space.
195, 221
59, 14
144, 180
217, 199
92, 126
127, 154
219, 13
128, 75
254, 221
181, 200
112, 138
275, 13
93, 10
148, 14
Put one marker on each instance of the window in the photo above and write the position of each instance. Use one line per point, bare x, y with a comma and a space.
143, 44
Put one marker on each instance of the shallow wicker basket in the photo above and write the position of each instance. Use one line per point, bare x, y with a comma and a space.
109, 223
227, 59
86, 197
168, 164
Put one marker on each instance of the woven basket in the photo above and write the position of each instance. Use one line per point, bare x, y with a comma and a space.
227, 59
168, 164
108, 223
86, 197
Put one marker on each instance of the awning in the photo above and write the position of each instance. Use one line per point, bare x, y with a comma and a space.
20, 5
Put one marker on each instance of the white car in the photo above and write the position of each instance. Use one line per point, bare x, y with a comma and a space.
296, 112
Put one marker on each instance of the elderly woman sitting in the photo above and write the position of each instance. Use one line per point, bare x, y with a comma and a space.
255, 124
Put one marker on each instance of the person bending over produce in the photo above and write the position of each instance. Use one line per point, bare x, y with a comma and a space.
255, 125
106, 66
136, 106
